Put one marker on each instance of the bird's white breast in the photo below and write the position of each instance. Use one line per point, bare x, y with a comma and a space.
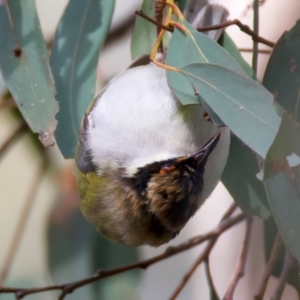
138, 120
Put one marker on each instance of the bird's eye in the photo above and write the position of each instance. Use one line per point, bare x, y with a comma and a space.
166, 168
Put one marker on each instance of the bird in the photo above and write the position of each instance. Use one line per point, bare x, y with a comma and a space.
141, 159
145, 163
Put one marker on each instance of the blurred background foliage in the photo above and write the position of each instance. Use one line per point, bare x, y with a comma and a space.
74, 249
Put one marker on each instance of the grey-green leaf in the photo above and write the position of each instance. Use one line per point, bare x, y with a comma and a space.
24, 64
78, 40
239, 178
244, 105
283, 72
227, 43
285, 204
195, 47
144, 33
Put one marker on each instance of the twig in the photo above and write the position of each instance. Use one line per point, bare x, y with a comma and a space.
203, 257
256, 30
194, 267
210, 281
158, 25
22, 220
70, 287
262, 51
159, 13
288, 265
243, 27
22, 128
240, 270
269, 267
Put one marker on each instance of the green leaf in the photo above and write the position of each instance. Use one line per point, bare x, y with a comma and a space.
285, 204
144, 33
24, 64
239, 178
195, 47
282, 73
78, 40
286, 144
76, 250
226, 42
241, 103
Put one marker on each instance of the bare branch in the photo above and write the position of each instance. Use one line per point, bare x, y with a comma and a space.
70, 287
245, 28
269, 267
262, 51
203, 257
240, 270
288, 265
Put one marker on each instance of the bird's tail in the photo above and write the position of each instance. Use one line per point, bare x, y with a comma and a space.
201, 14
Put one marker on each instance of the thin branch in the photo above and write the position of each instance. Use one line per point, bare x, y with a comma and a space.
171, 251
210, 281
203, 257
158, 25
159, 13
269, 267
288, 265
240, 270
22, 128
256, 30
194, 267
244, 28
22, 220
262, 51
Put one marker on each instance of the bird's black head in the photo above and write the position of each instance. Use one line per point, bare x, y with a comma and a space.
172, 188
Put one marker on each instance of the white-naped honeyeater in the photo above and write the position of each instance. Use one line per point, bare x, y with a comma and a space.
146, 163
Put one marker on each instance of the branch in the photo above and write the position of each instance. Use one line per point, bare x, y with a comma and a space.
100, 274
212, 289
256, 30
288, 265
203, 257
240, 270
243, 27
269, 267
262, 51
22, 221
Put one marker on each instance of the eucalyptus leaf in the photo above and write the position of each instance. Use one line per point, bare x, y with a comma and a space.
239, 178
285, 204
144, 33
74, 58
227, 43
244, 105
285, 145
24, 64
195, 47
282, 73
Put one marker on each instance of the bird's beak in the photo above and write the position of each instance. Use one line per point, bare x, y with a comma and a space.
202, 154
